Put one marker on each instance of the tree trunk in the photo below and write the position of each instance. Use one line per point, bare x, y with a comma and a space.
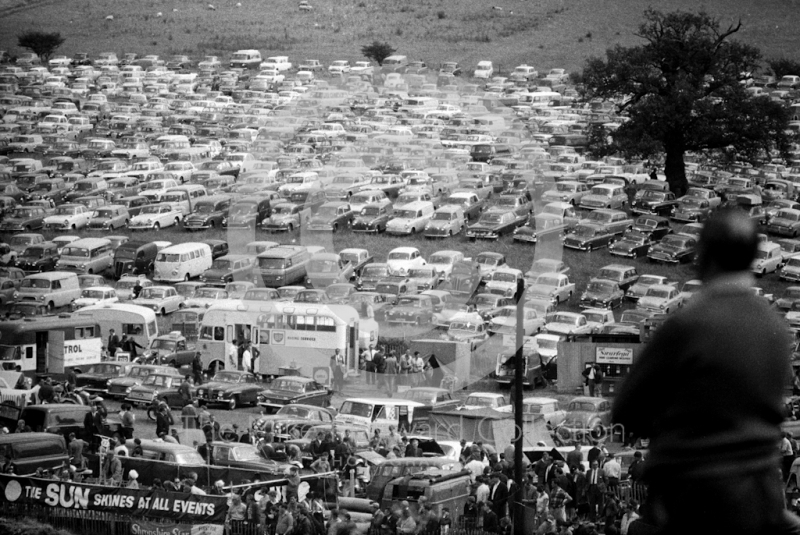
674, 167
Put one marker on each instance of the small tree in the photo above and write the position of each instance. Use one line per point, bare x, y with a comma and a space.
782, 66
378, 51
43, 44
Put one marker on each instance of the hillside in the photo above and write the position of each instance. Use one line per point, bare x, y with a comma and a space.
546, 33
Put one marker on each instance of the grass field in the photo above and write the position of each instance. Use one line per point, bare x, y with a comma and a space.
547, 33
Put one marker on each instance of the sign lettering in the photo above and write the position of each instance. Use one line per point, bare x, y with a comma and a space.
614, 355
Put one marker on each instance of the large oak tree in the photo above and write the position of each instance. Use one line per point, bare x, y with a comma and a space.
682, 91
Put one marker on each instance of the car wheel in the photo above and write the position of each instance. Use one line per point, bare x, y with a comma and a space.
335, 227
212, 224
125, 224
177, 221
156, 226
151, 414
28, 229
233, 403
73, 227
51, 306
186, 277
589, 248
163, 311
290, 227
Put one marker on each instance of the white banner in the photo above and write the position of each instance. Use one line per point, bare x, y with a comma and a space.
510, 340
614, 355
82, 351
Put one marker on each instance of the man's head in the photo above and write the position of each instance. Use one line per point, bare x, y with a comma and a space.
595, 464
728, 244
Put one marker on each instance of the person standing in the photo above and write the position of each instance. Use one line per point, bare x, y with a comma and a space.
595, 488
127, 418
378, 363
369, 366
337, 378
247, 357
189, 414
417, 365
185, 391
403, 367
233, 355
575, 457
592, 377
612, 472
197, 369
163, 419
113, 342
724, 358
391, 372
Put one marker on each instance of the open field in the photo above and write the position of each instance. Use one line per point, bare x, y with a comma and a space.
547, 33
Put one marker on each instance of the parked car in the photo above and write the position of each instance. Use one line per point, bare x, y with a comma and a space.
586, 418
231, 388
602, 293
161, 299
290, 390
674, 249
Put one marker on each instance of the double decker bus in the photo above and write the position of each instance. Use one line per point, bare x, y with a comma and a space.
50, 344
298, 336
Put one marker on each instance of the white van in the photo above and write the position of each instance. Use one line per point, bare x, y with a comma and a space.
378, 413
86, 256
182, 262
54, 288
246, 59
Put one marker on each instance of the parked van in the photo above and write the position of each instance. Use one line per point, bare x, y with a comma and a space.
246, 59
86, 256
29, 451
62, 419
393, 468
182, 262
184, 197
54, 288
134, 257
441, 488
395, 63
283, 265
378, 413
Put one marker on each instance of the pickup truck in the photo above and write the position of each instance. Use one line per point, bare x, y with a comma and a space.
615, 222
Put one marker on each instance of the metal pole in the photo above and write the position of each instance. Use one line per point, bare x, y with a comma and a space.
519, 374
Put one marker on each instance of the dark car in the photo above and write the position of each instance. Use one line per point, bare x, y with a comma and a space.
633, 244
654, 202
495, 224
95, 378
158, 386
247, 213
482, 152
472, 203
120, 387
373, 218
371, 275
588, 236
218, 248
312, 199
294, 389
655, 226
52, 188
412, 309
209, 212
331, 217
39, 258
293, 421
229, 268
135, 257
691, 209
601, 293
358, 433
247, 456
674, 249
24, 219
230, 388
134, 204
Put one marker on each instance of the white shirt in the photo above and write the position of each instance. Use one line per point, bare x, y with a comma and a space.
246, 359
476, 468
612, 469
196, 490
233, 355
482, 493
626, 522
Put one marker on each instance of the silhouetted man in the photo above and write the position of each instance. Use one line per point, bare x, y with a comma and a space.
708, 392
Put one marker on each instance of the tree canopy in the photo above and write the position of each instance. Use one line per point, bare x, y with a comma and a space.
43, 44
682, 91
377, 51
